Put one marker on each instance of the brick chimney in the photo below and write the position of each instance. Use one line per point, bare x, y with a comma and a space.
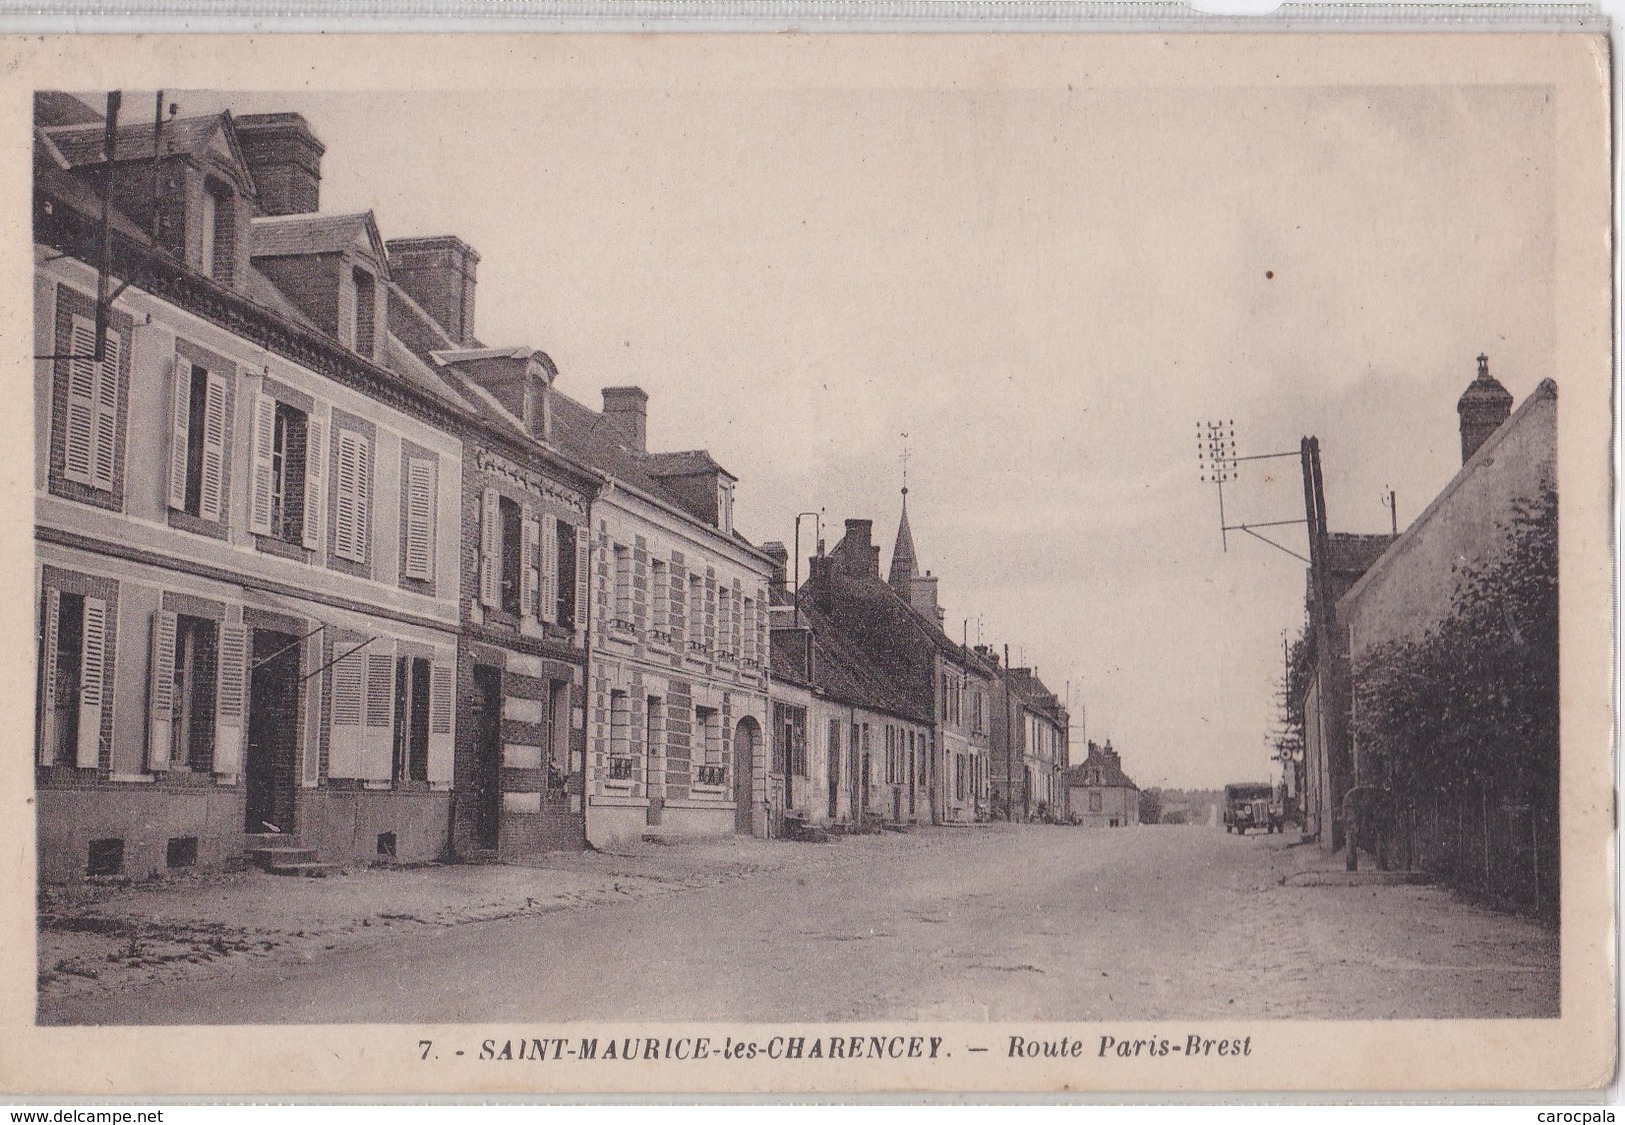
285, 159
776, 551
1483, 406
626, 415
438, 273
857, 554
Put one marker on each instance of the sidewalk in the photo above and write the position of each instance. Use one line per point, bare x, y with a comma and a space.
100, 937
1305, 864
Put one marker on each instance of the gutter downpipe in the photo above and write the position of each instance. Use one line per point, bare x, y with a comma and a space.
586, 653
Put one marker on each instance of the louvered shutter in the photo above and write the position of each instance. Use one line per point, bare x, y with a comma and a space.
79, 431
550, 569
259, 487
212, 486
488, 547
106, 414
350, 516
48, 645
529, 578
161, 691
349, 707
313, 708
92, 670
231, 701
420, 489
442, 747
180, 432
583, 603
378, 738
736, 620
315, 479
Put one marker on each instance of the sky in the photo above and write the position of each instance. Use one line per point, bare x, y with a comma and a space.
1045, 289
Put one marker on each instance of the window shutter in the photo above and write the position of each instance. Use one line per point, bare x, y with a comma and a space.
583, 604
550, 569
259, 517
79, 433
230, 701
529, 578
378, 739
47, 731
420, 489
92, 669
161, 691
313, 703
488, 547
350, 516
106, 414
179, 431
349, 705
212, 490
315, 479
441, 703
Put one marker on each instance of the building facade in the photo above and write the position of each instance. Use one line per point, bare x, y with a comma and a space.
1099, 793
246, 515
677, 707
1030, 746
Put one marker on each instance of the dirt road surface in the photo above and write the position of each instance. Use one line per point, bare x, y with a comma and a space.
987, 923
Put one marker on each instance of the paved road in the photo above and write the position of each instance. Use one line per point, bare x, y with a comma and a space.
988, 923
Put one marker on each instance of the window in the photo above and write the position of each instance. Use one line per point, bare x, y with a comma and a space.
366, 312
411, 757
73, 665
193, 698
211, 229
218, 241
750, 631
696, 614
623, 587
789, 740
660, 599
558, 733
198, 442
568, 601
1096, 802
281, 494
708, 731
725, 622
725, 507
509, 531
620, 728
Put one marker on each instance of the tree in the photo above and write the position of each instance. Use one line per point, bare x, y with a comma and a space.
1150, 806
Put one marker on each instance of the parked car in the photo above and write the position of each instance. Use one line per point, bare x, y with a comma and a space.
1252, 805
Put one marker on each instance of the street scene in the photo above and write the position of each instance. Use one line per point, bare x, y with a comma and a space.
998, 923
753, 608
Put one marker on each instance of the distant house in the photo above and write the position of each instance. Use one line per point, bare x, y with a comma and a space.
1099, 793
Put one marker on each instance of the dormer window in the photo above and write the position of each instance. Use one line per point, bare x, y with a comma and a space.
366, 312
217, 241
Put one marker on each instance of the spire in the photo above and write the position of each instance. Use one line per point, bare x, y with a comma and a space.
904, 567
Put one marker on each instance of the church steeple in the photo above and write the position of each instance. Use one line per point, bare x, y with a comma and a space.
904, 566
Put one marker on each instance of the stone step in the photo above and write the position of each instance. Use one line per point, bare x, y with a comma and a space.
305, 869
272, 840
265, 856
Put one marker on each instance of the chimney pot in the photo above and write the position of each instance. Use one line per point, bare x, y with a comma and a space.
1483, 406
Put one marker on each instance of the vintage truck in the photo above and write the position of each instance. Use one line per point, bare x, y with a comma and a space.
1252, 805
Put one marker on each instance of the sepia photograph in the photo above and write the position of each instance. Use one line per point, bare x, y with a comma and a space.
872, 536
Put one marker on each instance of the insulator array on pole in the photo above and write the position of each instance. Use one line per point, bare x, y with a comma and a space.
1216, 451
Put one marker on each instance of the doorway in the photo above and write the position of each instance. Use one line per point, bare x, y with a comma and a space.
487, 780
747, 737
273, 730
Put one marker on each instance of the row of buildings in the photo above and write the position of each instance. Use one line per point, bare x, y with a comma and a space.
316, 564
1429, 690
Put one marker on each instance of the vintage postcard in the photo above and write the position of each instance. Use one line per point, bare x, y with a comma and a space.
853, 563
